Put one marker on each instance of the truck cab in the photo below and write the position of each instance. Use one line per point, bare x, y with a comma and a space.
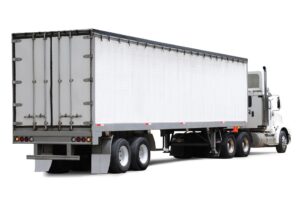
264, 116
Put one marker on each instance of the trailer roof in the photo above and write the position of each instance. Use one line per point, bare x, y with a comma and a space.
128, 39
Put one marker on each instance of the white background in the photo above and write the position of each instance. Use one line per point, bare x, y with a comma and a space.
266, 32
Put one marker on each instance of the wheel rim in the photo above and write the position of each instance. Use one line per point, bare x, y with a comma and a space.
283, 142
123, 155
230, 146
143, 153
245, 145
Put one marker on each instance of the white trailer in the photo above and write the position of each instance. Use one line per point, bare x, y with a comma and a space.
90, 98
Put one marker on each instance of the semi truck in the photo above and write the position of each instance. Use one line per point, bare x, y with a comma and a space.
90, 99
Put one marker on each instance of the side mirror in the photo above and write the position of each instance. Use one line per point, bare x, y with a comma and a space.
278, 103
249, 101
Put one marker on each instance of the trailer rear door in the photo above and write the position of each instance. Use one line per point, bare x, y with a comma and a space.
52, 81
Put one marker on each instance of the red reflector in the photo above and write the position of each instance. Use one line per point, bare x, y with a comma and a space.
22, 139
83, 139
235, 129
78, 139
99, 124
26, 139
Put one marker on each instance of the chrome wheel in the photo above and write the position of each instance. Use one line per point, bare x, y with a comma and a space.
230, 146
143, 153
123, 155
245, 144
140, 153
284, 141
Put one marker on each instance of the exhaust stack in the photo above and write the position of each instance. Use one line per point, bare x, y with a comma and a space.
266, 100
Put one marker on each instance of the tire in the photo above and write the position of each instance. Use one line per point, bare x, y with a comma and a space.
243, 145
228, 146
59, 166
120, 156
140, 153
283, 141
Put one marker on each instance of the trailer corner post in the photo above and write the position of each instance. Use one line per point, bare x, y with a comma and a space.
96, 134
101, 153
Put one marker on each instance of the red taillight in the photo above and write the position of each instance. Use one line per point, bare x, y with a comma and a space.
81, 139
23, 139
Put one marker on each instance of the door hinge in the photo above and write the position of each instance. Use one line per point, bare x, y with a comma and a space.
88, 56
87, 123
16, 40
17, 82
16, 59
17, 104
88, 79
87, 37
90, 103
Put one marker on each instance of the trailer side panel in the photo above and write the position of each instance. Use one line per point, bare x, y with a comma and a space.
139, 84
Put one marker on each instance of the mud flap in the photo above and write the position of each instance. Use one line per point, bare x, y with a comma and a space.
42, 165
101, 156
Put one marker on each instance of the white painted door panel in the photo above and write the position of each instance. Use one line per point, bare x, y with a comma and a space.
70, 91
33, 91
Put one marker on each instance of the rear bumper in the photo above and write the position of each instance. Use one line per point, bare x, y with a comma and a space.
30, 136
53, 157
